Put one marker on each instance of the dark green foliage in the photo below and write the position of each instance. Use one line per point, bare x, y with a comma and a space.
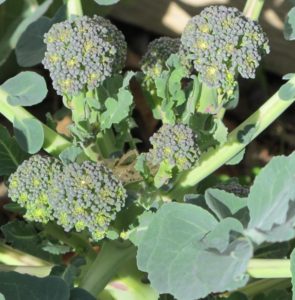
86, 196
176, 145
30, 184
82, 53
221, 42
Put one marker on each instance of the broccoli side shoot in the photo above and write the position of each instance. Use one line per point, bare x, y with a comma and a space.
221, 42
153, 62
29, 186
175, 145
87, 196
82, 53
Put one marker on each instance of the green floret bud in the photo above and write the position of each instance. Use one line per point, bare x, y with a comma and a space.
82, 53
176, 145
221, 42
153, 62
235, 188
87, 197
29, 186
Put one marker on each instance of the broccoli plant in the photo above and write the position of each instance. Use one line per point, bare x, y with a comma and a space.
94, 216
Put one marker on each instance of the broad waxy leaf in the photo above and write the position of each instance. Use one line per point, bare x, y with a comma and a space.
11, 155
25, 89
26, 287
24, 13
271, 201
29, 134
30, 47
106, 2
224, 204
181, 249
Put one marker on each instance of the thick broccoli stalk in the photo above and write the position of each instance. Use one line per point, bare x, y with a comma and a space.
176, 145
153, 62
86, 196
221, 42
30, 184
82, 53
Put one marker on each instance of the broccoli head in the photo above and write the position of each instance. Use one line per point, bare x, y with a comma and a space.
87, 196
153, 62
235, 188
175, 144
82, 53
221, 42
29, 186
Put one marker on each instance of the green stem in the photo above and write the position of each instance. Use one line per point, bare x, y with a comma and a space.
261, 286
269, 268
76, 241
53, 142
39, 271
107, 263
74, 8
106, 142
215, 158
13, 257
253, 9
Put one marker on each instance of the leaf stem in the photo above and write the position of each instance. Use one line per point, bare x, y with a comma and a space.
263, 285
215, 158
107, 263
53, 142
74, 8
253, 9
269, 268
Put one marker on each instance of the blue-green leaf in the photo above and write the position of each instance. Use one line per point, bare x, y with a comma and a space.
25, 89
80, 294
289, 31
70, 154
29, 134
25, 287
2, 1
182, 247
271, 201
30, 47
11, 155
28, 13
106, 2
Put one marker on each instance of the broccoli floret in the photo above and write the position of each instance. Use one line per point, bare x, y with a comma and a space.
82, 53
221, 41
29, 186
153, 62
87, 196
175, 144
235, 188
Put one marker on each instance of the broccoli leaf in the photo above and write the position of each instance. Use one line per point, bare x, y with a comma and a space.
18, 17
118, 106
271, 201
106, 2
30, 47
25, 89
2, 1
31, 287
11, 155
29, 134
23, 236
224, 204
182, 247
